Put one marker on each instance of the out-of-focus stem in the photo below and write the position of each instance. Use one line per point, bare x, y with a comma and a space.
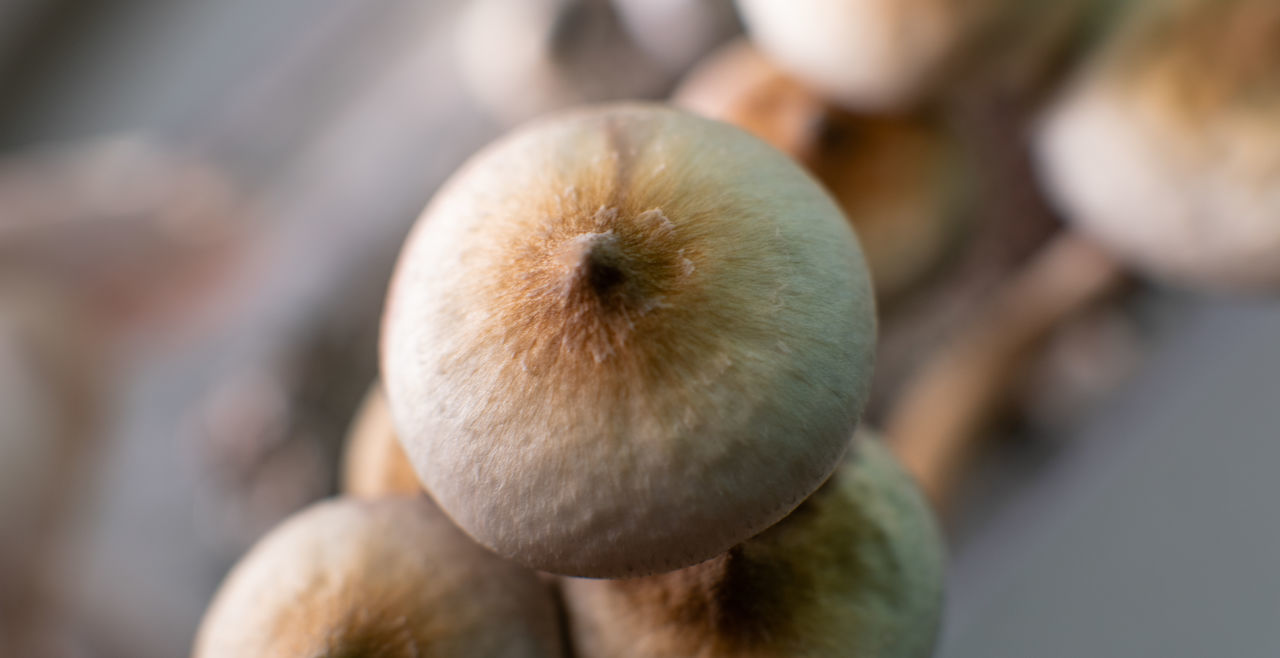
938, 421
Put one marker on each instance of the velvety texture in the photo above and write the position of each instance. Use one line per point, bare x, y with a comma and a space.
626, 338
390, 578
855, 571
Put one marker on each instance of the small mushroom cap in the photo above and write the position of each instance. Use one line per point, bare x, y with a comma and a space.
1167, 147
374, 465
864, 54
624, 339
857, 570
389, 578
901, 180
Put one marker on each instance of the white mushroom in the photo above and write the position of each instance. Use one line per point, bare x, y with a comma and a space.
901, 180
625, 339
522, 58
866, 54
388, 578
1167, 147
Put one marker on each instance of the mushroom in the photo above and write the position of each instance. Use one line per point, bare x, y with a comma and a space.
866, 54
1166, 148
677, 32
374, 465
102, 242
901, 180
389, 578
522, 58
624, 339
738, 84
856, 570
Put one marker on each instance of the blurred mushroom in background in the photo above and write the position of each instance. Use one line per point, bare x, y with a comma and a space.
937, 421
127, 228
677, 33
101, 244
870, 55
901, 180
522, 58
1166, 148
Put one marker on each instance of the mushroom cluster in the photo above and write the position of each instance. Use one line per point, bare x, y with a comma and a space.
627, 350
624, 346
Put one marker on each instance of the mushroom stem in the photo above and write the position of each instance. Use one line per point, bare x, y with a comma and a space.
936, 424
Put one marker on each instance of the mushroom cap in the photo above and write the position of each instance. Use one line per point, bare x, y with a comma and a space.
389, 578
624, 339
374, 464
1167, 147
677, 32
857, 570
864, 54
50, 384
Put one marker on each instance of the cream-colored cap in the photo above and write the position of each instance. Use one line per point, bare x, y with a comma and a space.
626, 338
386, 578
864, 54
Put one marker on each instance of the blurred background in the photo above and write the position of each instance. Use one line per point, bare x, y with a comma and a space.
200, 207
